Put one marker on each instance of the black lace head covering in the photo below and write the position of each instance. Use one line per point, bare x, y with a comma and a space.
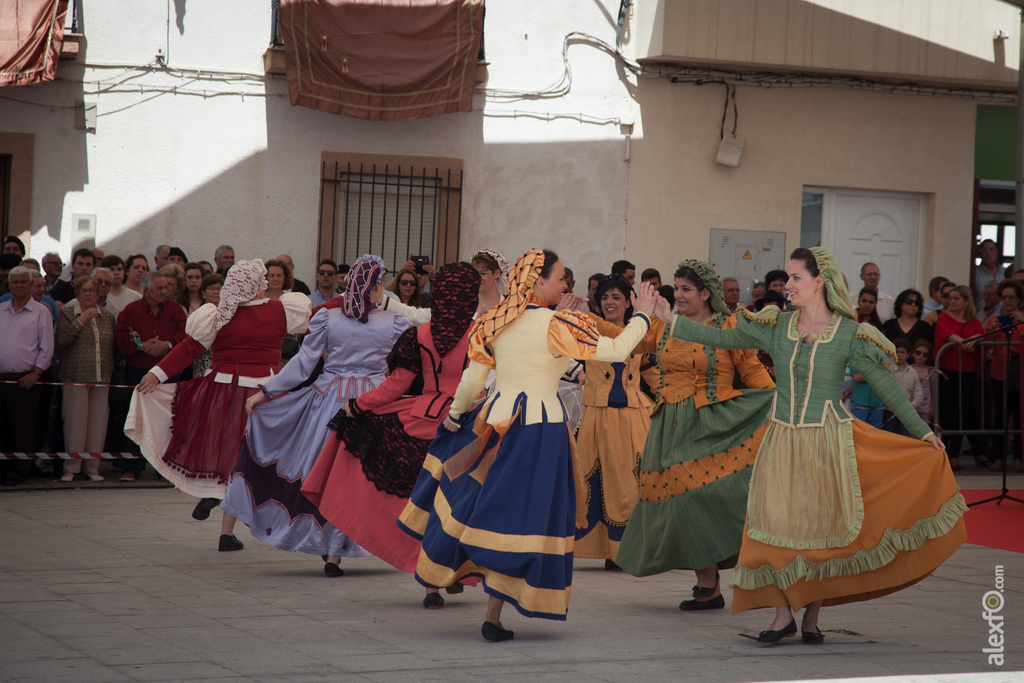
455, 291
620, 283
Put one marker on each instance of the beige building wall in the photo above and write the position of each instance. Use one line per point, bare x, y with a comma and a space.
940, 41
796, 137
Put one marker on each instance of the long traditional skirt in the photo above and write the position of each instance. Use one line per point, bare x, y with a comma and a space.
362, 479
844, 513
498, 502
694, 478
608, 448
190, 432
282, 442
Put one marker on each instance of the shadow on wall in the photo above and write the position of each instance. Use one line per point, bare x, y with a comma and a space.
179, 16
569, 196
61, 152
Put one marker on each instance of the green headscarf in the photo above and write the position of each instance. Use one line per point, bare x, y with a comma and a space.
837, 296
709, 276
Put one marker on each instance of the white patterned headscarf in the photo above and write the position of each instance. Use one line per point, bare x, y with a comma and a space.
503, 269
244, 282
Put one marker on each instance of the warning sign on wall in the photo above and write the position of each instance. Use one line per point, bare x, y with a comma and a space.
747, 255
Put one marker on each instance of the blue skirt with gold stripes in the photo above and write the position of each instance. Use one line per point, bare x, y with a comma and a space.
498, 502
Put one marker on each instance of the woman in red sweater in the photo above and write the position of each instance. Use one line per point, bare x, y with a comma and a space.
959, 376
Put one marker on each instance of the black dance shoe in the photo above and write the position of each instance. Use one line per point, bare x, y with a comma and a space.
717, 602
332, 569
493, 633
433, 601
775, 636
203, 507
813, 637
610, 566
454, 589
228, 543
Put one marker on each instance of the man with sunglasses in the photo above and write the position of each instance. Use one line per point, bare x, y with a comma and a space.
326, 281
934, 302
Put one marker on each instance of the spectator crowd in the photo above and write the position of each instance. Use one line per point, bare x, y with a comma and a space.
72, 345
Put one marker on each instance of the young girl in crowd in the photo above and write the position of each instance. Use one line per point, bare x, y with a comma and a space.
921, 361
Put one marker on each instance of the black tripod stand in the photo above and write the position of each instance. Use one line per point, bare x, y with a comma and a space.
1005, 492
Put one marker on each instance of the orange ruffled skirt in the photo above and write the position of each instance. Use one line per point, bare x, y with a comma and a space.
912, 523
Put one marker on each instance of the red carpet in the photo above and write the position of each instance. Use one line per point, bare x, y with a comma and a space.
997, 526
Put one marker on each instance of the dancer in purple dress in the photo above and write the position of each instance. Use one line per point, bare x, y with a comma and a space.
286, 433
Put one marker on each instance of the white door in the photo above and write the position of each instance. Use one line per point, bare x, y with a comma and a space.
881, 227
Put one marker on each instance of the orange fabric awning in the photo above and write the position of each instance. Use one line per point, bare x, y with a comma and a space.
31, 35
382, 60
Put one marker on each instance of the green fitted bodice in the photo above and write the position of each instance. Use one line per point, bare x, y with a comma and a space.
809, 376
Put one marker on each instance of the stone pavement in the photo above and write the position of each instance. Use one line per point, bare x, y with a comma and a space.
121, 584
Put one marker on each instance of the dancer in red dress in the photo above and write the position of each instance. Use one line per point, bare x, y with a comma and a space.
363, 477
190, 432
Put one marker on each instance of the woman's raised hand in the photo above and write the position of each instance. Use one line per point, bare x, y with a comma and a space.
646, 299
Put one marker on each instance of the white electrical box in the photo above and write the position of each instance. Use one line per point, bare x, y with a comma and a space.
83, 227
747, 255
730, 150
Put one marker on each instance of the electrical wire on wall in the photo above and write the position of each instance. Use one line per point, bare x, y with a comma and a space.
124, 82
561, 87
249, 85
763, 79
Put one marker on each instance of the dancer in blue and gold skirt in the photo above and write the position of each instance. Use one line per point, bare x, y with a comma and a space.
496, 496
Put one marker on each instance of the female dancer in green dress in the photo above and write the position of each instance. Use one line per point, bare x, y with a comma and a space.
704, 434
838, 511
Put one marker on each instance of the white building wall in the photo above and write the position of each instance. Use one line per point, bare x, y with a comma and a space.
227, 159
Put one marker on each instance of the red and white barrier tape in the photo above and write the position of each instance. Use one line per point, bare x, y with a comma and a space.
70, 456
71, 384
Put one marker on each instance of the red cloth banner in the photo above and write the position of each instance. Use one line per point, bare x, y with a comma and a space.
382, 60
31, 35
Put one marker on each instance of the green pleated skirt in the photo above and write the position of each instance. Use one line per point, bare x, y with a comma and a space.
694, 477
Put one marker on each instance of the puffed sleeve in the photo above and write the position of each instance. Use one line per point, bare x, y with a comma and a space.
649, 344
417, 316
297, 309
470, 386
202, 325
301, 367
574, 334
400, 326
871, 352
752, 331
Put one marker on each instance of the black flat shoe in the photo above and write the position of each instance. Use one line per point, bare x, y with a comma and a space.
229, 543
775, 636
610, 565
717, 602
203, 507
813, 637
493, 633
433, 601
454, 589
704, 591
331, 569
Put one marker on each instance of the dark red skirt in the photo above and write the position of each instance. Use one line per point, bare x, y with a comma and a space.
207, 424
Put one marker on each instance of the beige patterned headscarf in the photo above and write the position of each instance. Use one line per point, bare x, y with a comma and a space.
244, 282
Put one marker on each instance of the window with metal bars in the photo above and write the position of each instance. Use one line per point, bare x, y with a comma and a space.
395, 207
